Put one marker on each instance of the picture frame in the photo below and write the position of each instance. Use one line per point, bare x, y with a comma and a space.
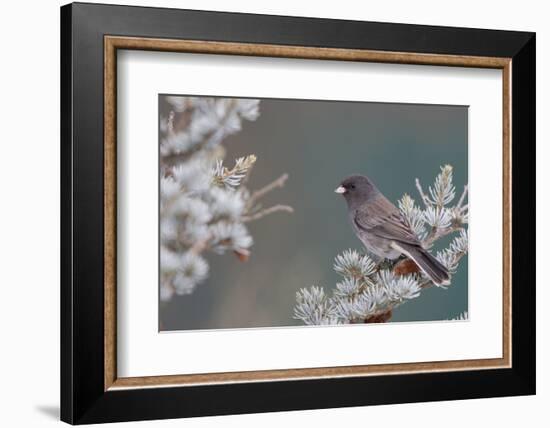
91, 390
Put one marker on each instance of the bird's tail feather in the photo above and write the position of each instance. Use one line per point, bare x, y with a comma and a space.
426, 262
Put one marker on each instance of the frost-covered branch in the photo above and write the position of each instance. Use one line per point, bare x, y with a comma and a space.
369, 292
363, 294
231, 178
463, 316
197, 124
203, 203
265, 212
258, 194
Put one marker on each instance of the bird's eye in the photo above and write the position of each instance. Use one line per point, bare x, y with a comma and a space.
352, 186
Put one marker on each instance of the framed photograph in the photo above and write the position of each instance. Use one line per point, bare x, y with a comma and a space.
265, 213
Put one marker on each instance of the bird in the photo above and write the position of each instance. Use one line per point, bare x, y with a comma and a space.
382, 229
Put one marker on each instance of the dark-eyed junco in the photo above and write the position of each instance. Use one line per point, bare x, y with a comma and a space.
382, 230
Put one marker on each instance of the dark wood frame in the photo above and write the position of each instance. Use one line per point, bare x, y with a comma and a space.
90, 390
114, 43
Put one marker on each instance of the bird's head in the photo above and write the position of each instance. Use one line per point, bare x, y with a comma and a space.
357, 189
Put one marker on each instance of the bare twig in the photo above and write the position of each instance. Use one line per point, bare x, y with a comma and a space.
425, 198
437, 233
267, 211
461, 200
279, 182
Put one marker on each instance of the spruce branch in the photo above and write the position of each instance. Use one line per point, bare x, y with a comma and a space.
443, 191
266, 212
206, 126
462, 197
370, 292
275, 184
463, 316
438, 233
204, 205
423, 196
231, 178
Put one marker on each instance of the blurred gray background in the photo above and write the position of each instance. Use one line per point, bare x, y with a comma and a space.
318, 143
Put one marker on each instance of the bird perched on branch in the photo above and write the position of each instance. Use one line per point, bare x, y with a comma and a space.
380, 227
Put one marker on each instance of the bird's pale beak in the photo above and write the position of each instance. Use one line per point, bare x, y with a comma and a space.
341, 190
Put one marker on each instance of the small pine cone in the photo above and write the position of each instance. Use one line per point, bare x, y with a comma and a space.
242, 254
380, 318
405, 267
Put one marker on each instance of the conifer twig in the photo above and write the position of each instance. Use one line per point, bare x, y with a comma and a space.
279, 182
437, 233
267, 211
425, 198
461, 200
202, 202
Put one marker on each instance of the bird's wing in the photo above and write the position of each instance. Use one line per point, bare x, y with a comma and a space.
381, 218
